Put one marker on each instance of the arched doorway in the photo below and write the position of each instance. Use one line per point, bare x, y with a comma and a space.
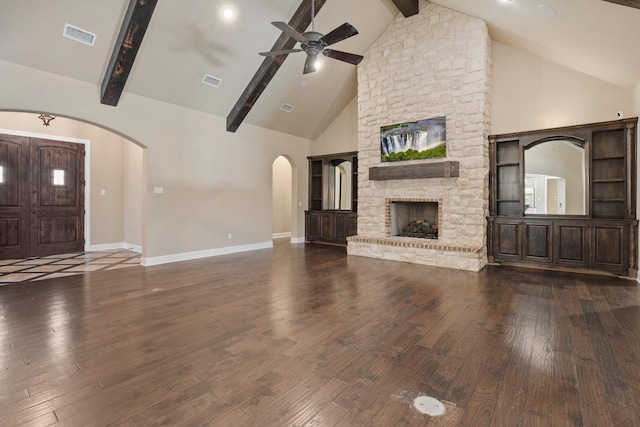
282, 199
115, 181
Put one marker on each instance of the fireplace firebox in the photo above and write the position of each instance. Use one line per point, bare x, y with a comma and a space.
418, 219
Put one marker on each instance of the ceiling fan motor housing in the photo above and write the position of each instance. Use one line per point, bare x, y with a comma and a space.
314, 44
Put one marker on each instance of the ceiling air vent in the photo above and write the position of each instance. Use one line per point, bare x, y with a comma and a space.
79, 35
287, 108
211, 81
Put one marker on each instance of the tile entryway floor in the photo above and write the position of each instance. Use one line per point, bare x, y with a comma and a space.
26, 270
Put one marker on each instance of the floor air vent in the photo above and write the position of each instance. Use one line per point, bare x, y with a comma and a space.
79, 35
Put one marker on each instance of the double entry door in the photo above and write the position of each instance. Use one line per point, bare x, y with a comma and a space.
41, 197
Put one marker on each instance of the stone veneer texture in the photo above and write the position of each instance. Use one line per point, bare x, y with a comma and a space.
436, 63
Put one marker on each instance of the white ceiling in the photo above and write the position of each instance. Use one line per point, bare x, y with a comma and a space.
187, 39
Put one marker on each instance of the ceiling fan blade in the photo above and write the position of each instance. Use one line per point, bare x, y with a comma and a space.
285, 28
280, 52
351, 58
344, 31
310, 64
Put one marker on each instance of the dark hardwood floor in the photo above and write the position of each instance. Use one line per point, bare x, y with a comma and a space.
304, 336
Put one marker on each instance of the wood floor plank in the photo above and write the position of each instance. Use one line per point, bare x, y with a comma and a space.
301, 335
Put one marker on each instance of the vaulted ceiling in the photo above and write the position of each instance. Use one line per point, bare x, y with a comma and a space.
186, 40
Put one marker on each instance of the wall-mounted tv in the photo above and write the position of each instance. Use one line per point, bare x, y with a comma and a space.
422, 139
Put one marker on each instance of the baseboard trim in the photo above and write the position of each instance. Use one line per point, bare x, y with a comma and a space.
297, 240
111, 246
281, 235
187, 256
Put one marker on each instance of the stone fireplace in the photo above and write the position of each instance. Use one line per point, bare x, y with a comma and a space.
433, 64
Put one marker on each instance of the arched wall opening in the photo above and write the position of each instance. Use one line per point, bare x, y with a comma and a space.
283, 203
114, 174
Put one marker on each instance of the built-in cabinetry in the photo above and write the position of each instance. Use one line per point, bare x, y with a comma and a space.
333, 198
583, 217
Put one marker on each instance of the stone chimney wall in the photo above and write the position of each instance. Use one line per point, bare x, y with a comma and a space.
433, 64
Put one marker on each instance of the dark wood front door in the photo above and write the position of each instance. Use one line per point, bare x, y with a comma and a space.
41, 197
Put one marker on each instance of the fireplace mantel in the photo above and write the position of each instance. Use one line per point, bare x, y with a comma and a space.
447, 169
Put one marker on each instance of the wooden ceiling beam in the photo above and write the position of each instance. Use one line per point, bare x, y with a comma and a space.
630, 3
407, 7
271, 64
125, 50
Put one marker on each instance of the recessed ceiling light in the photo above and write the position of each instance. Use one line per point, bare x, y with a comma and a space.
505, 1
228, 13
547, 10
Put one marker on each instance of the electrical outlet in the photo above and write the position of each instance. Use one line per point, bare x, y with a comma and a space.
230, 236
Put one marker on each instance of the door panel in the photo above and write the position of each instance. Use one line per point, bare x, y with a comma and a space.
14, 197
537, 244
57, 197
570, 243
608, 245
507, 242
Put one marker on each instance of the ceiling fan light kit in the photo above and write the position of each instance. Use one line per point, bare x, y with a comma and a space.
314, 43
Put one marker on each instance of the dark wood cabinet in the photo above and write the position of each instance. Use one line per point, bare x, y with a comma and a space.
330, 226
333, 198
603, 238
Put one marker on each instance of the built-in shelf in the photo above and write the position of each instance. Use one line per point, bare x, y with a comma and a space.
606, 181
609, 158
328, 220
604, 239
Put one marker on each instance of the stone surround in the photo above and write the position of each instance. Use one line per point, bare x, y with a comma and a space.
436, 63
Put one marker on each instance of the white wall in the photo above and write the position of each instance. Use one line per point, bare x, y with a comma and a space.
341, 135
134, 186
636, 100
530, 93
214, 182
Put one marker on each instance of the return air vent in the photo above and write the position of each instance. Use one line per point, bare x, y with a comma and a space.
211, 81
79, 35
287, 108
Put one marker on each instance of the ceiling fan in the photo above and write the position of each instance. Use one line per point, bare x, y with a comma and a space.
314, 43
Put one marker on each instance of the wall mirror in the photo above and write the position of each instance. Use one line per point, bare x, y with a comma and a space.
555, 178
338, 185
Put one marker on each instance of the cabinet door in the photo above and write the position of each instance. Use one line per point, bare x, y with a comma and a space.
608, 245
570, 243
312, 226
537, 241
326, 226
341, 228
353, 225
507, 240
